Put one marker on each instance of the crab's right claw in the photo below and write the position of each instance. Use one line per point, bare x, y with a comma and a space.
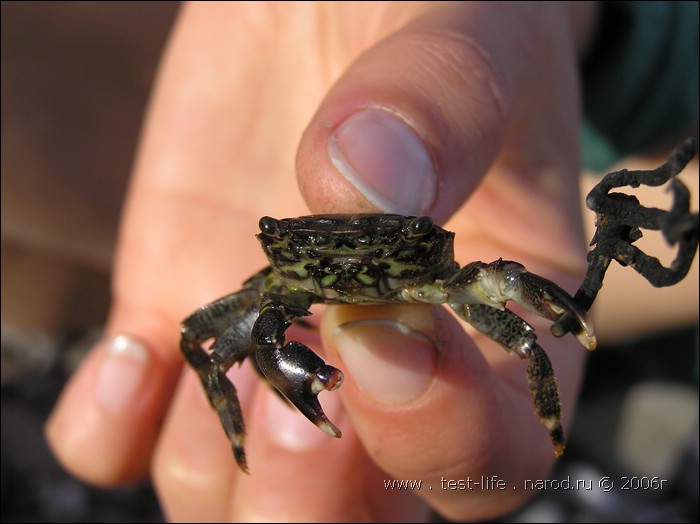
296, 371
300, 375
548, 300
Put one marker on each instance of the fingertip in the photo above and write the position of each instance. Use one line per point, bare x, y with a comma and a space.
383, 157
104, 425
389, 361
413, 124
411, 372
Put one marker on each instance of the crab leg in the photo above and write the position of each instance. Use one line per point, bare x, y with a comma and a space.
516, 335
294, 369
229, 320
545, 396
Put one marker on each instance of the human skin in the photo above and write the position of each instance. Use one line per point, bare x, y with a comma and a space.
247, 96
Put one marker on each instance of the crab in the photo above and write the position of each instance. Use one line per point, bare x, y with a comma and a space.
364, 259
376, 259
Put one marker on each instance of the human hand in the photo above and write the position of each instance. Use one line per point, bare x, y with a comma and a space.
451, 102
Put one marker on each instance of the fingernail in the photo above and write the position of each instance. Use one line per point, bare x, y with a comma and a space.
292, 430
387, 359
122, 373
383, 157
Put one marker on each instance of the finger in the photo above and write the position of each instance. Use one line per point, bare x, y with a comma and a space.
300, 474
292, 464
184, 210
428, 405
412, 127
193, 459
416, 122
136, 381
110, 410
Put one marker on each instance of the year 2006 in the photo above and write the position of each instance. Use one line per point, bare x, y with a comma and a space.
642, 483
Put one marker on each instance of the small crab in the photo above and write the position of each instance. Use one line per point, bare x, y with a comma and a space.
364, 259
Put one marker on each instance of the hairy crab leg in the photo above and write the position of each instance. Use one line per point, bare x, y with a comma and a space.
514, 334
545, 396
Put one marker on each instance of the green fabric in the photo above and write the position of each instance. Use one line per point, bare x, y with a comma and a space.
640, 80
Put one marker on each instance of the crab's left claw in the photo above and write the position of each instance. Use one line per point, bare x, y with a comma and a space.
545, 298
496, 283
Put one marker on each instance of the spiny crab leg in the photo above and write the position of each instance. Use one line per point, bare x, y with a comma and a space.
502, 280
294, 369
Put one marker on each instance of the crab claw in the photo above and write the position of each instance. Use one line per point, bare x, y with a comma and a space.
502, 280
546, 299
300, 375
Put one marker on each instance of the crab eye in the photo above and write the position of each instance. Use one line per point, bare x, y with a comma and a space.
418, 227
269, 226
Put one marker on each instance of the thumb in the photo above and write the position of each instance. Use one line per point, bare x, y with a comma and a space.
412, 127
417, 120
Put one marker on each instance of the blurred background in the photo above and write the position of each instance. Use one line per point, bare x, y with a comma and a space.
76, 77
75, 82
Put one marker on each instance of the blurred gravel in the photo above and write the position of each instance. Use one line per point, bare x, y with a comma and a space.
34, 487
